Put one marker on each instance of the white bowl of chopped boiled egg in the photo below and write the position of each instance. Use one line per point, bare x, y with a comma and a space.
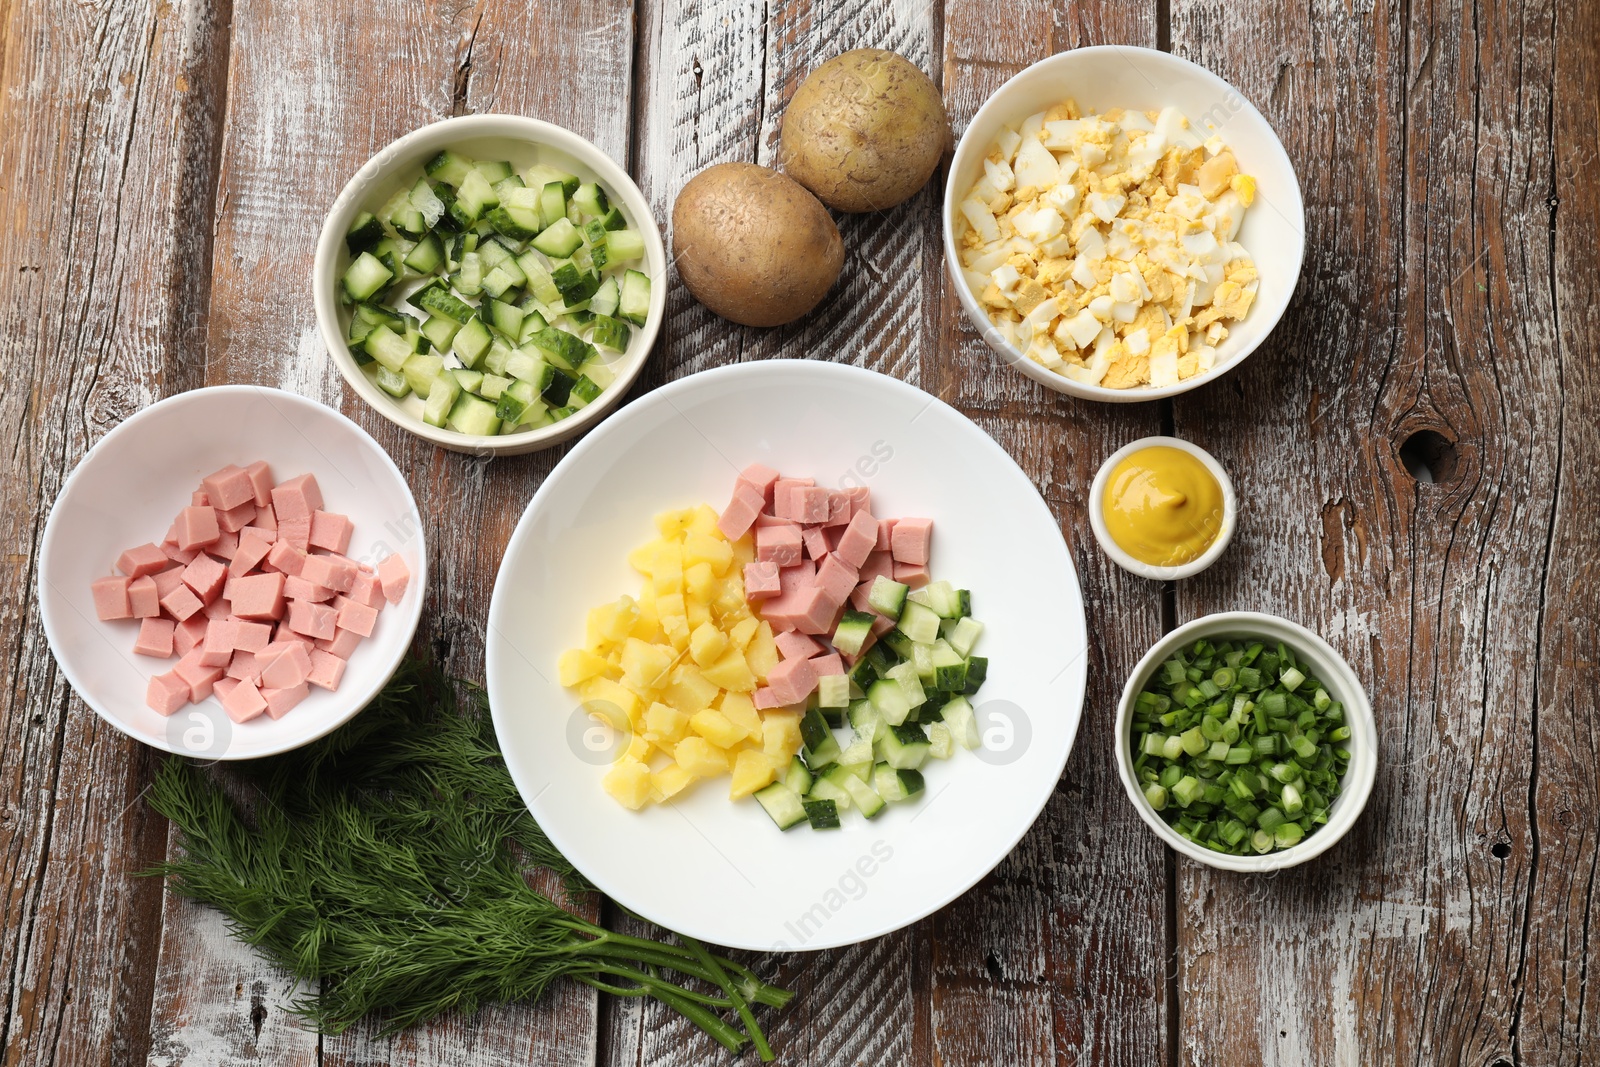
1122, 224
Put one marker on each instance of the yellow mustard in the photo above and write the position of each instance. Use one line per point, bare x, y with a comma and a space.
1162, 506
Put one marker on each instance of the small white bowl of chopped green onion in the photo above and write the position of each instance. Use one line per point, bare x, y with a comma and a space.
491, 283
1246, 742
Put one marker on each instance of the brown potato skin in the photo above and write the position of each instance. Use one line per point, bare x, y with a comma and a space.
864, 131
752, 245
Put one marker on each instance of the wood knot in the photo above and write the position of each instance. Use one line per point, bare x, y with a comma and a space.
1429, 457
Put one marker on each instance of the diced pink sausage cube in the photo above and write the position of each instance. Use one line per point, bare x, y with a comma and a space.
285, 666
885, 534
792, 680
217, 649
296, 532
143, 560
296, 588
155, 638
253, 548
356, 617
811, 502
816, 613
281, 701
181, 603
766, 698
761, 580
343, 645
258, 596
312, 620
226, 546
260, 482
235, 519
205, 576
144, 597
241, 700
296, 498
740, 514
858, 540
190, 633
326, 670
779, 544
858, 597
219, 608
911, 540
245, 667
251, 636
334, 572
794, 582
331, 531
914, 575
793, 645
197, 675
229, 487
111, 597
816, 542
176, 554
167, 580
394, 575
286, 558
760, 478
367, 590
877, 563
860, 499
784, 504
266, 518
836, 578
838, 508
823, 666
166, 693
197, 528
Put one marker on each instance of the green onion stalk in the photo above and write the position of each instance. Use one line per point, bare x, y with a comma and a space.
389, 864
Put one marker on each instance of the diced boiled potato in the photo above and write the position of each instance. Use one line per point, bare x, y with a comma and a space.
690, 690
669, 781
610, 701
731, 672
663, 722
780, 734
751, 771
628, 781
675, 628
615, 620
744, 551
706, 644
703, 521
648, 626
638, 748
762, 653
741, 632
701, 758
666, 569
715, 727
698, 582
673, 523
670, 604
696, 613
703, 548
643, 558
646, 665
741, 711
577, 665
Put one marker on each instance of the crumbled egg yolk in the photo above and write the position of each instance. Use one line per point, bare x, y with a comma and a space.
1103, 246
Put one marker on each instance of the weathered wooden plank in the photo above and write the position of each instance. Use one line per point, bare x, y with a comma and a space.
1452, 926
1059, 955
109, 138
313, 94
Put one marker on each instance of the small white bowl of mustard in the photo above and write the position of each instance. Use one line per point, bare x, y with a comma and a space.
1163, 508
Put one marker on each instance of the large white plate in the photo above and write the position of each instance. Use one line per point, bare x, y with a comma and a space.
718, 870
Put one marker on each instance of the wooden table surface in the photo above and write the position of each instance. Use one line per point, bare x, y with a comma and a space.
165, 167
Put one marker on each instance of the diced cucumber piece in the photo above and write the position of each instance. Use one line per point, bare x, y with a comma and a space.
565, 350
448, 167
366, 276
557, 391
623, 245
492, 386
896, 785
421, 372
610, 333
633, 303
574, 285
392, 382
408, 222
540, 284
595, 243
940, 744
586, 392
591, 199
782, 804
613, 220
823, 789
963, 634
365, 232
519, 403
388, 348
437, 299
442, 394
798, 776
419, 344
475, 196
553, 205
940, 597
889, 699
888, 597
504, 317
494, 361
440, 331
493, 170
516, 223
492, 253
904, 747
852, 632
833, 691
820, 747
977, 671
559, 240
917, 621
949, 668
858, 750
529, 367
861, 793
922, 660
823, 814
906, 675
865, 719
471, 342
470, 380
425, 200
604, 300
473, 415
962, 721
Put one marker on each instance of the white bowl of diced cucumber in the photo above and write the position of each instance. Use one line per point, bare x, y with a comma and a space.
491, 283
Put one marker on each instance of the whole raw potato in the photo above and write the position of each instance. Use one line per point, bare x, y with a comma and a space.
864, 131
753, 245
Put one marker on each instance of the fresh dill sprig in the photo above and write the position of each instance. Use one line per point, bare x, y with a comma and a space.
388, 862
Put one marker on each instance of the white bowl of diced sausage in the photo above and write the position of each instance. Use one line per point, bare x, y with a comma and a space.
232, 572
